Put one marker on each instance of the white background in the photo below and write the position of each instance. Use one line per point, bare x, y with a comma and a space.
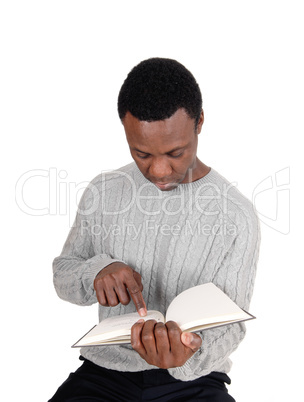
62, 65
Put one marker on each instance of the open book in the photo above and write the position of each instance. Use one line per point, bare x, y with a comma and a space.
198, 308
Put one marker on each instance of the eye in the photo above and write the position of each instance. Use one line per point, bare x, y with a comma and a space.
142, 156
176, 155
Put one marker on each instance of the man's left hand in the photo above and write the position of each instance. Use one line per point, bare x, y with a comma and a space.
163, 345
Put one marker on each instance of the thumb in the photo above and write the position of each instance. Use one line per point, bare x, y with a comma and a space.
192, 341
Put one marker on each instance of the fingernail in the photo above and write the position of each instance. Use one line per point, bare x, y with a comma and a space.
187, 337
140, 321
142, 312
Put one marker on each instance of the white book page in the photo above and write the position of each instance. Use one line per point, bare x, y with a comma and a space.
203, 304
116, 326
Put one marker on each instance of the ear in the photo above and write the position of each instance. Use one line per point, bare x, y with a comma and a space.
200, 123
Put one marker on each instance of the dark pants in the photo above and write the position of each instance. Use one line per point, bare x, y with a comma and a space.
93, 383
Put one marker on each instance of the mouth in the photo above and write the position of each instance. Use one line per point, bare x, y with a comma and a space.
164, 186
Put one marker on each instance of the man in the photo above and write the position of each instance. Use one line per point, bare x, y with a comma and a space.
145, 233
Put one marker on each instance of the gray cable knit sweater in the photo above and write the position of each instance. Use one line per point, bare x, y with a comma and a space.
200, 232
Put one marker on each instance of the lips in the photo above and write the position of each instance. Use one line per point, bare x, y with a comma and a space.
163, 186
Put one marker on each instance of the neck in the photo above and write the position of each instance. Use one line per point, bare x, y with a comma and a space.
200, 170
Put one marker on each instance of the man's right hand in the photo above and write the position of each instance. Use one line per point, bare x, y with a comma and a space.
115, 284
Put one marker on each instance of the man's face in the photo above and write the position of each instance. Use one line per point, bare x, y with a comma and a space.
165, 150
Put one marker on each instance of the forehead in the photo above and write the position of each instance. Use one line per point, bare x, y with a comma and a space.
173, 132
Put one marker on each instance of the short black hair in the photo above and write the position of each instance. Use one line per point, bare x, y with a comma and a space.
156, 88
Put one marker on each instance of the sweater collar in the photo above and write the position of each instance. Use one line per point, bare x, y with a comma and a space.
210, 177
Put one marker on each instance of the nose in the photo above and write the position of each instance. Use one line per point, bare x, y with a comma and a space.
160, 168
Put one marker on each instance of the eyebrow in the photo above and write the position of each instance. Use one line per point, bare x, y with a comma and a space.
169, 152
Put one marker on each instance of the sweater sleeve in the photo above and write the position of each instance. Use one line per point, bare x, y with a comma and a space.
235, 276
75, 269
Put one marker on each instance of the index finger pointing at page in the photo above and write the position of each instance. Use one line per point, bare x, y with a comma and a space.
137, 297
